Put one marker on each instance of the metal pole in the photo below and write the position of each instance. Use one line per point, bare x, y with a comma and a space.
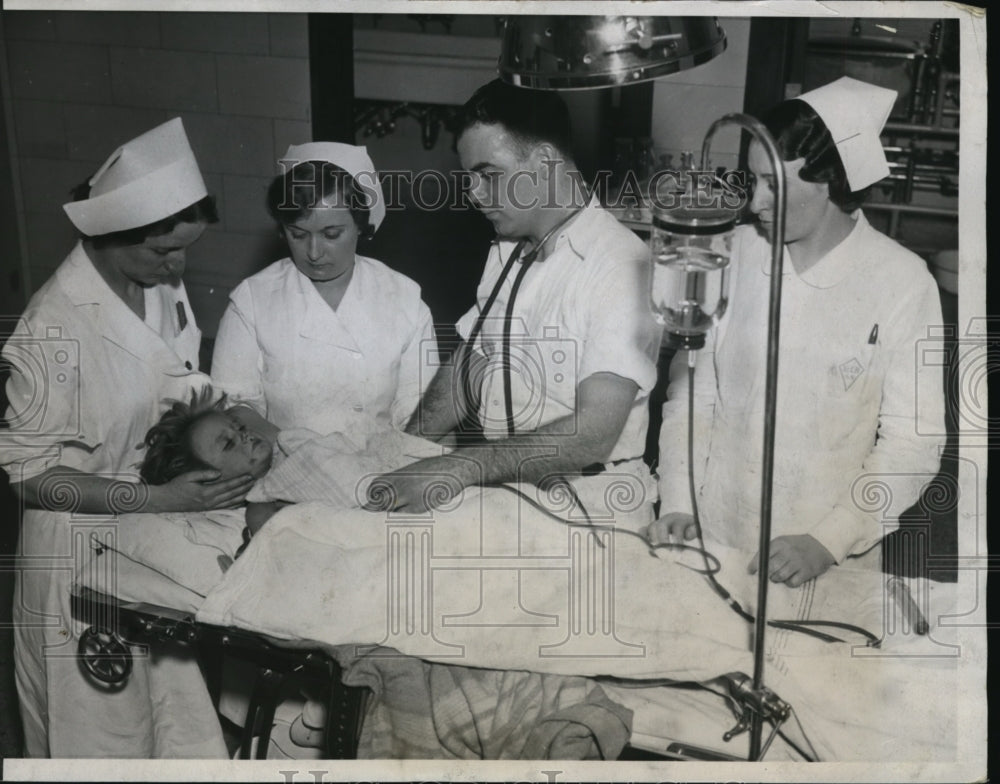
761, 135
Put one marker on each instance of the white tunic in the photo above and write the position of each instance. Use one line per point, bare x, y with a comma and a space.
584, 309
860, 410
282, 349
88, 378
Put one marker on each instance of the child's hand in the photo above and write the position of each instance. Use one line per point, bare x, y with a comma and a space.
672, 527
795, 560
251, 420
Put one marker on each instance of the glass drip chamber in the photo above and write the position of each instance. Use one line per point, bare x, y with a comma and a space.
690, 249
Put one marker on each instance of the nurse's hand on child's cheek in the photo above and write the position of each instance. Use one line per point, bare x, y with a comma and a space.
198, 491
795, 560
424, 485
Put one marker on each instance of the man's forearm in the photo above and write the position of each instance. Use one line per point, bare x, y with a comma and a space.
551, 450
442, 408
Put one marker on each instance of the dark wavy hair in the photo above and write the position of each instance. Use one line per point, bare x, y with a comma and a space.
800, 133
311, 184
168, 442
202, 211
530, 116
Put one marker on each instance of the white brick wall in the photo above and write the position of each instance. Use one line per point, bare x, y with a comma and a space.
84, 82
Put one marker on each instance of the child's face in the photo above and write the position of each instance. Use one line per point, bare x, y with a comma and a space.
219, 440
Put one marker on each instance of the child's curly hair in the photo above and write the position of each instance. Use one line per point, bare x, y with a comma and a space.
168, 442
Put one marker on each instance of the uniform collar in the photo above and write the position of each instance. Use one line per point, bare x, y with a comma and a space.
836, 265
82, 282
578, 234
581, 232
319, 321
118, 324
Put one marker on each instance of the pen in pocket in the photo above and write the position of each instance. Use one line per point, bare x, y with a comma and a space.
904, 600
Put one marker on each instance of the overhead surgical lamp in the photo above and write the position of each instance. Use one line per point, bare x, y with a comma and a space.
690, 245
580, 52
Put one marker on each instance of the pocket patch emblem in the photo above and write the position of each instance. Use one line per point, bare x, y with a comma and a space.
850, 371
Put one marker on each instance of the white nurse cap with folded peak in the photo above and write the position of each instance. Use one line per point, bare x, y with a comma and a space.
855, 113
145, 180
352, 159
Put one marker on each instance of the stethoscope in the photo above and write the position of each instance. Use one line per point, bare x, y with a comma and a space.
526, 259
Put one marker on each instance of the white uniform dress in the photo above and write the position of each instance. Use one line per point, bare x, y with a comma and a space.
584, 309
88, 379
282, 349
860, 414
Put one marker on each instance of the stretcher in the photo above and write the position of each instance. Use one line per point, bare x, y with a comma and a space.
116, 627
853, 700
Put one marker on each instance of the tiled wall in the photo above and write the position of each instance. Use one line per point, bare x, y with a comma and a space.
81, 83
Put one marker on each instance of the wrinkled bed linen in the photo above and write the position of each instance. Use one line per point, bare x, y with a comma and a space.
896, 703
171, 559
421, 710
501, 586
320, 574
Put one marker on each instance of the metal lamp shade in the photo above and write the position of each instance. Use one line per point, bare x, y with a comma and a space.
580, 52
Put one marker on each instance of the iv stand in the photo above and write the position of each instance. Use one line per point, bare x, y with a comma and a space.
761, 135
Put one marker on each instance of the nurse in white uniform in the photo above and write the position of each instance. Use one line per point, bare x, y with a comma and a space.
101, 344
326, 339
859, 414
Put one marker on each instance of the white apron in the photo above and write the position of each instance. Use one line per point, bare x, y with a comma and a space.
104, 373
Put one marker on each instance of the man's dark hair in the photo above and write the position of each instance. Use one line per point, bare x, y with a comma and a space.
530, 116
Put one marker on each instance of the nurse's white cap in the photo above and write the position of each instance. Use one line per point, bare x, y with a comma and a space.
352, 159
855, 113
145, 180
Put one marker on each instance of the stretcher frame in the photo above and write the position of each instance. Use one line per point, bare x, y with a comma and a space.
106, 657
116, 625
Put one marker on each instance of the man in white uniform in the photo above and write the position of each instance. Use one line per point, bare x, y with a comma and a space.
572, 284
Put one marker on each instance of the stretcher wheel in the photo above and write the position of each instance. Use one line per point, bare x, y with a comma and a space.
104, 656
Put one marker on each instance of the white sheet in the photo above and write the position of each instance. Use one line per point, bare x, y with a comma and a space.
173, 559
896, 703
494, 583
325, 575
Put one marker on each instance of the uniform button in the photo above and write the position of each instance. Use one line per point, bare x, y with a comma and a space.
358, 408
188, 365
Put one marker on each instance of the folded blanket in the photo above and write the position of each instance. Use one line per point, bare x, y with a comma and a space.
433, 711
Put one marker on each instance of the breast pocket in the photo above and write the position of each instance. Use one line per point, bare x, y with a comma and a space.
849, 406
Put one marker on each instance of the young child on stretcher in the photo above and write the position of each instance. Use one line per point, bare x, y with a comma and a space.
290, 466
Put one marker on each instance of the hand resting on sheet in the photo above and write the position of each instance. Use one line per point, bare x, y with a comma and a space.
794, 560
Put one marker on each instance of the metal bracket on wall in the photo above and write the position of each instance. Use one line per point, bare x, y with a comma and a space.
378, 118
